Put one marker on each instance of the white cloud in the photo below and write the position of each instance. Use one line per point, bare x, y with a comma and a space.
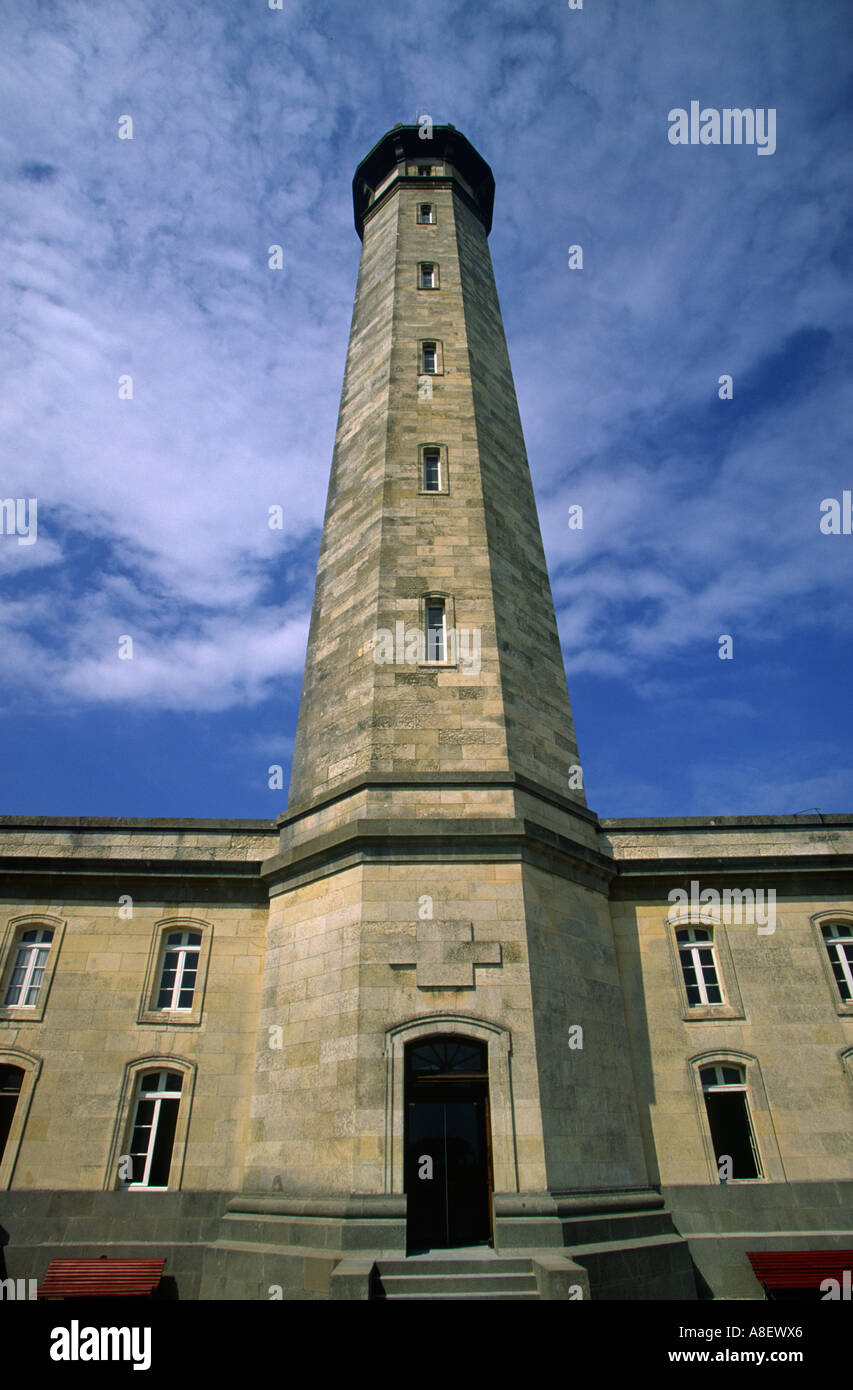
149, 257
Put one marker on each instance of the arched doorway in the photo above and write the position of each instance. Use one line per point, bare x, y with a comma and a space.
448, 1166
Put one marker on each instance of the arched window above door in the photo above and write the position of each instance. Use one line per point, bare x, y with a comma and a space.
447, 1056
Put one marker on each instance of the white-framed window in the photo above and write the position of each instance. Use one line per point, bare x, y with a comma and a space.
433, 474
839, 945
437, 623
432, 470
698, 966
436, 629
152, 1136
429, 358
179, 970
427, 275
725, 1093
426, 214
27, 975
703, 970
176, 973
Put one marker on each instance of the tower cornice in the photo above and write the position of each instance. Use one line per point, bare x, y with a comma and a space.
462, 841
448, 780
390, 163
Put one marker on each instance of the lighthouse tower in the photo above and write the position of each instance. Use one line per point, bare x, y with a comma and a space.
442, 1053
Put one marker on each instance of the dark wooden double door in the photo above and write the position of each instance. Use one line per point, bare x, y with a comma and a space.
448, 1171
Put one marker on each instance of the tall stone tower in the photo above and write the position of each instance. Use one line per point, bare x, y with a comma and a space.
442, 1038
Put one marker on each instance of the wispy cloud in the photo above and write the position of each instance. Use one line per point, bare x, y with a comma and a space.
148, 258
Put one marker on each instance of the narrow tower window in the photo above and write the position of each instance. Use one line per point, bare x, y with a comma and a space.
428, 279
839, 944
724, 1088
696, 952
436, 630
425, 170
429, 358
432, 470
425, 213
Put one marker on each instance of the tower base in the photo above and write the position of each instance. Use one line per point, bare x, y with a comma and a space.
686, 1243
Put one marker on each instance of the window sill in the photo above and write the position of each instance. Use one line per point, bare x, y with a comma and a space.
21, 1013
708, 1013
170, 1018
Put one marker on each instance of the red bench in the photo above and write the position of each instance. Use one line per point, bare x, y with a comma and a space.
101, 1278
800, 1269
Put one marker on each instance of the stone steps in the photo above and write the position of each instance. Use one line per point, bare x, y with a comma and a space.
487, 1278
450, 1297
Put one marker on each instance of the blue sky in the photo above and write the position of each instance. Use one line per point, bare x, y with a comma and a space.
148, 257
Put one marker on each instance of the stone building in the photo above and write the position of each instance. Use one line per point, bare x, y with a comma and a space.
438, 1029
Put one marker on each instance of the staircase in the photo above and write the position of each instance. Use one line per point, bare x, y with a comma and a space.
477, 1276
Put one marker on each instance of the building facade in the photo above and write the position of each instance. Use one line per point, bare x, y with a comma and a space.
439, 1006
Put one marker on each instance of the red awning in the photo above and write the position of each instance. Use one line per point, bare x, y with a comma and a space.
799, 1269
103, 1278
